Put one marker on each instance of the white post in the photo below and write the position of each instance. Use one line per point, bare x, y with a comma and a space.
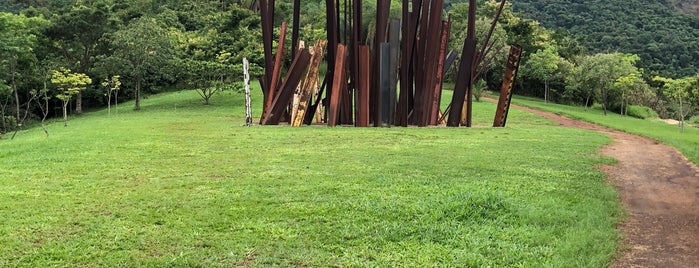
246, 75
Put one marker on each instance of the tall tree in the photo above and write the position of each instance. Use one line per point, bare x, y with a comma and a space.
542, 65
595, 75
141, 49
76, 33
18, 39
679, 91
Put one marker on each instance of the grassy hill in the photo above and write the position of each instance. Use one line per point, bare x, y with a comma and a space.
183, 184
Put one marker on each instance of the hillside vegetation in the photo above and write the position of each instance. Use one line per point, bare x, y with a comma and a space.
690, 7
666, 40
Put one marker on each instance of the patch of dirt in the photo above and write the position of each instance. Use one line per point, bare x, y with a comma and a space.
671, 121
659, 189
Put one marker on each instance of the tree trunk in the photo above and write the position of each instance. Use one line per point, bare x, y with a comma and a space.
546, 90
587, 101
65, 113
681, 117
109, 103
79, 103
137, 103
15, 91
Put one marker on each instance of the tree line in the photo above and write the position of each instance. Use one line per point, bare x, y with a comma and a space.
58, 57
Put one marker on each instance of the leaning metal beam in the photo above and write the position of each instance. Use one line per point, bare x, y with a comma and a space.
309, 83
506, 90
293, 77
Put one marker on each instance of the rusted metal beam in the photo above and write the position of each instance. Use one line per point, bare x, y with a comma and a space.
295, 28
362, 101
346, 99
394, 41
437, 91
384, 103
508, 81
405, 60
383, 9
267, 24
483, 51
332, 35
309, 83
293, 77
432, 48
334, 108
463, 87
277, 70
317, 104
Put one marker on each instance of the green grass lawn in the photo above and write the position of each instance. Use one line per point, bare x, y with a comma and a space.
183, 184
687, 142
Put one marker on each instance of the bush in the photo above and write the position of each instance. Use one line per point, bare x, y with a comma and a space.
694, 120
642, 112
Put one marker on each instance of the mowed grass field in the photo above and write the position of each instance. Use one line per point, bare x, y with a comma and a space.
183, 184
687, 142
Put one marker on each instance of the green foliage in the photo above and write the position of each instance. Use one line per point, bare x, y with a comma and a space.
68, 83
542, 65
144, 49
207, 78
595, 76
666, 41
642, 112
480, 88
497, 55
694, 120
204, 194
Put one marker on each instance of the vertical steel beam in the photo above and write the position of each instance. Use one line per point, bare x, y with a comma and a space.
463, 87
295, 28
331, 29
430, 73
506, 89
384, 104
363, 85
382, 12
267, 24
334, 109
394, 41
402, 106
437, 91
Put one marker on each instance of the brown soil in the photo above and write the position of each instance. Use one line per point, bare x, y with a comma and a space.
659, 188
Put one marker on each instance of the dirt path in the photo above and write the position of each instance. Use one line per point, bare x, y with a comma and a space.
659, 188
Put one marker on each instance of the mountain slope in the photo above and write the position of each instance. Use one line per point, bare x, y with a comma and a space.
690, 7
666, 40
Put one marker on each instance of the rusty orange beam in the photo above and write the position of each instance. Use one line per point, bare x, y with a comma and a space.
336, 93
276, 72
506, 90
286, 92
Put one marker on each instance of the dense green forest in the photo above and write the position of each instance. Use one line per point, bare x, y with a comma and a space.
62, 57
666, 40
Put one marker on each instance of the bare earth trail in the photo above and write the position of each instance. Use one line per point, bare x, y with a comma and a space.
659, 189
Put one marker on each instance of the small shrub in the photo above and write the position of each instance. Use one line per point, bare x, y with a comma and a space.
694, 120
641, 112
